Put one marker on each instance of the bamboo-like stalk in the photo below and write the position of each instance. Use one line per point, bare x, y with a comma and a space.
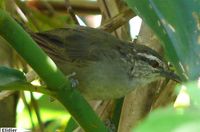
117, 21
48, 71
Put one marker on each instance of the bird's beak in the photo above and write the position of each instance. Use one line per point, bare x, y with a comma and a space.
170, 75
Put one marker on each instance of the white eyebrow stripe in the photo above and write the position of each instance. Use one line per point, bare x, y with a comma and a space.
150, 57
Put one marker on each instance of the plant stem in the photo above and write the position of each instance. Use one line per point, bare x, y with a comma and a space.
48, 71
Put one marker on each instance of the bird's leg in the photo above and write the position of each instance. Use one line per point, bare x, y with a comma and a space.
74, 82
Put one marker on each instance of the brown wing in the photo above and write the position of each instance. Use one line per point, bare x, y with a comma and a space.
77, 44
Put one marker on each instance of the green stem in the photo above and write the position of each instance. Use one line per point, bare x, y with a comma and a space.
37, 111
71, 125
31, 52
27, 106
117, 112
48, 71
27, 87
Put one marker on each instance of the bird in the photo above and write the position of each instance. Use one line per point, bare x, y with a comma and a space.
100, 65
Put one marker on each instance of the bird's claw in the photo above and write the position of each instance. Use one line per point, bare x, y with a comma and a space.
74, 82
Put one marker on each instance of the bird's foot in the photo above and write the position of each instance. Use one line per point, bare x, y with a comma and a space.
74, 82
110, 125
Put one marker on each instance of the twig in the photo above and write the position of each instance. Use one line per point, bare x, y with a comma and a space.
117, 21
18, 86
49, 7
28, 13
106, 12
28, 108
71, 12
37, 112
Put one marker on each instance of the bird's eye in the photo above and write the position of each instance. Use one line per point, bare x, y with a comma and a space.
154, 64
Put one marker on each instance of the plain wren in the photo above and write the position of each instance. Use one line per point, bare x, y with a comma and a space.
104, 66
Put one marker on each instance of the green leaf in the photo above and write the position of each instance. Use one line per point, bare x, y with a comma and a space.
11, 79
177, 23
169, 120
8, 76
